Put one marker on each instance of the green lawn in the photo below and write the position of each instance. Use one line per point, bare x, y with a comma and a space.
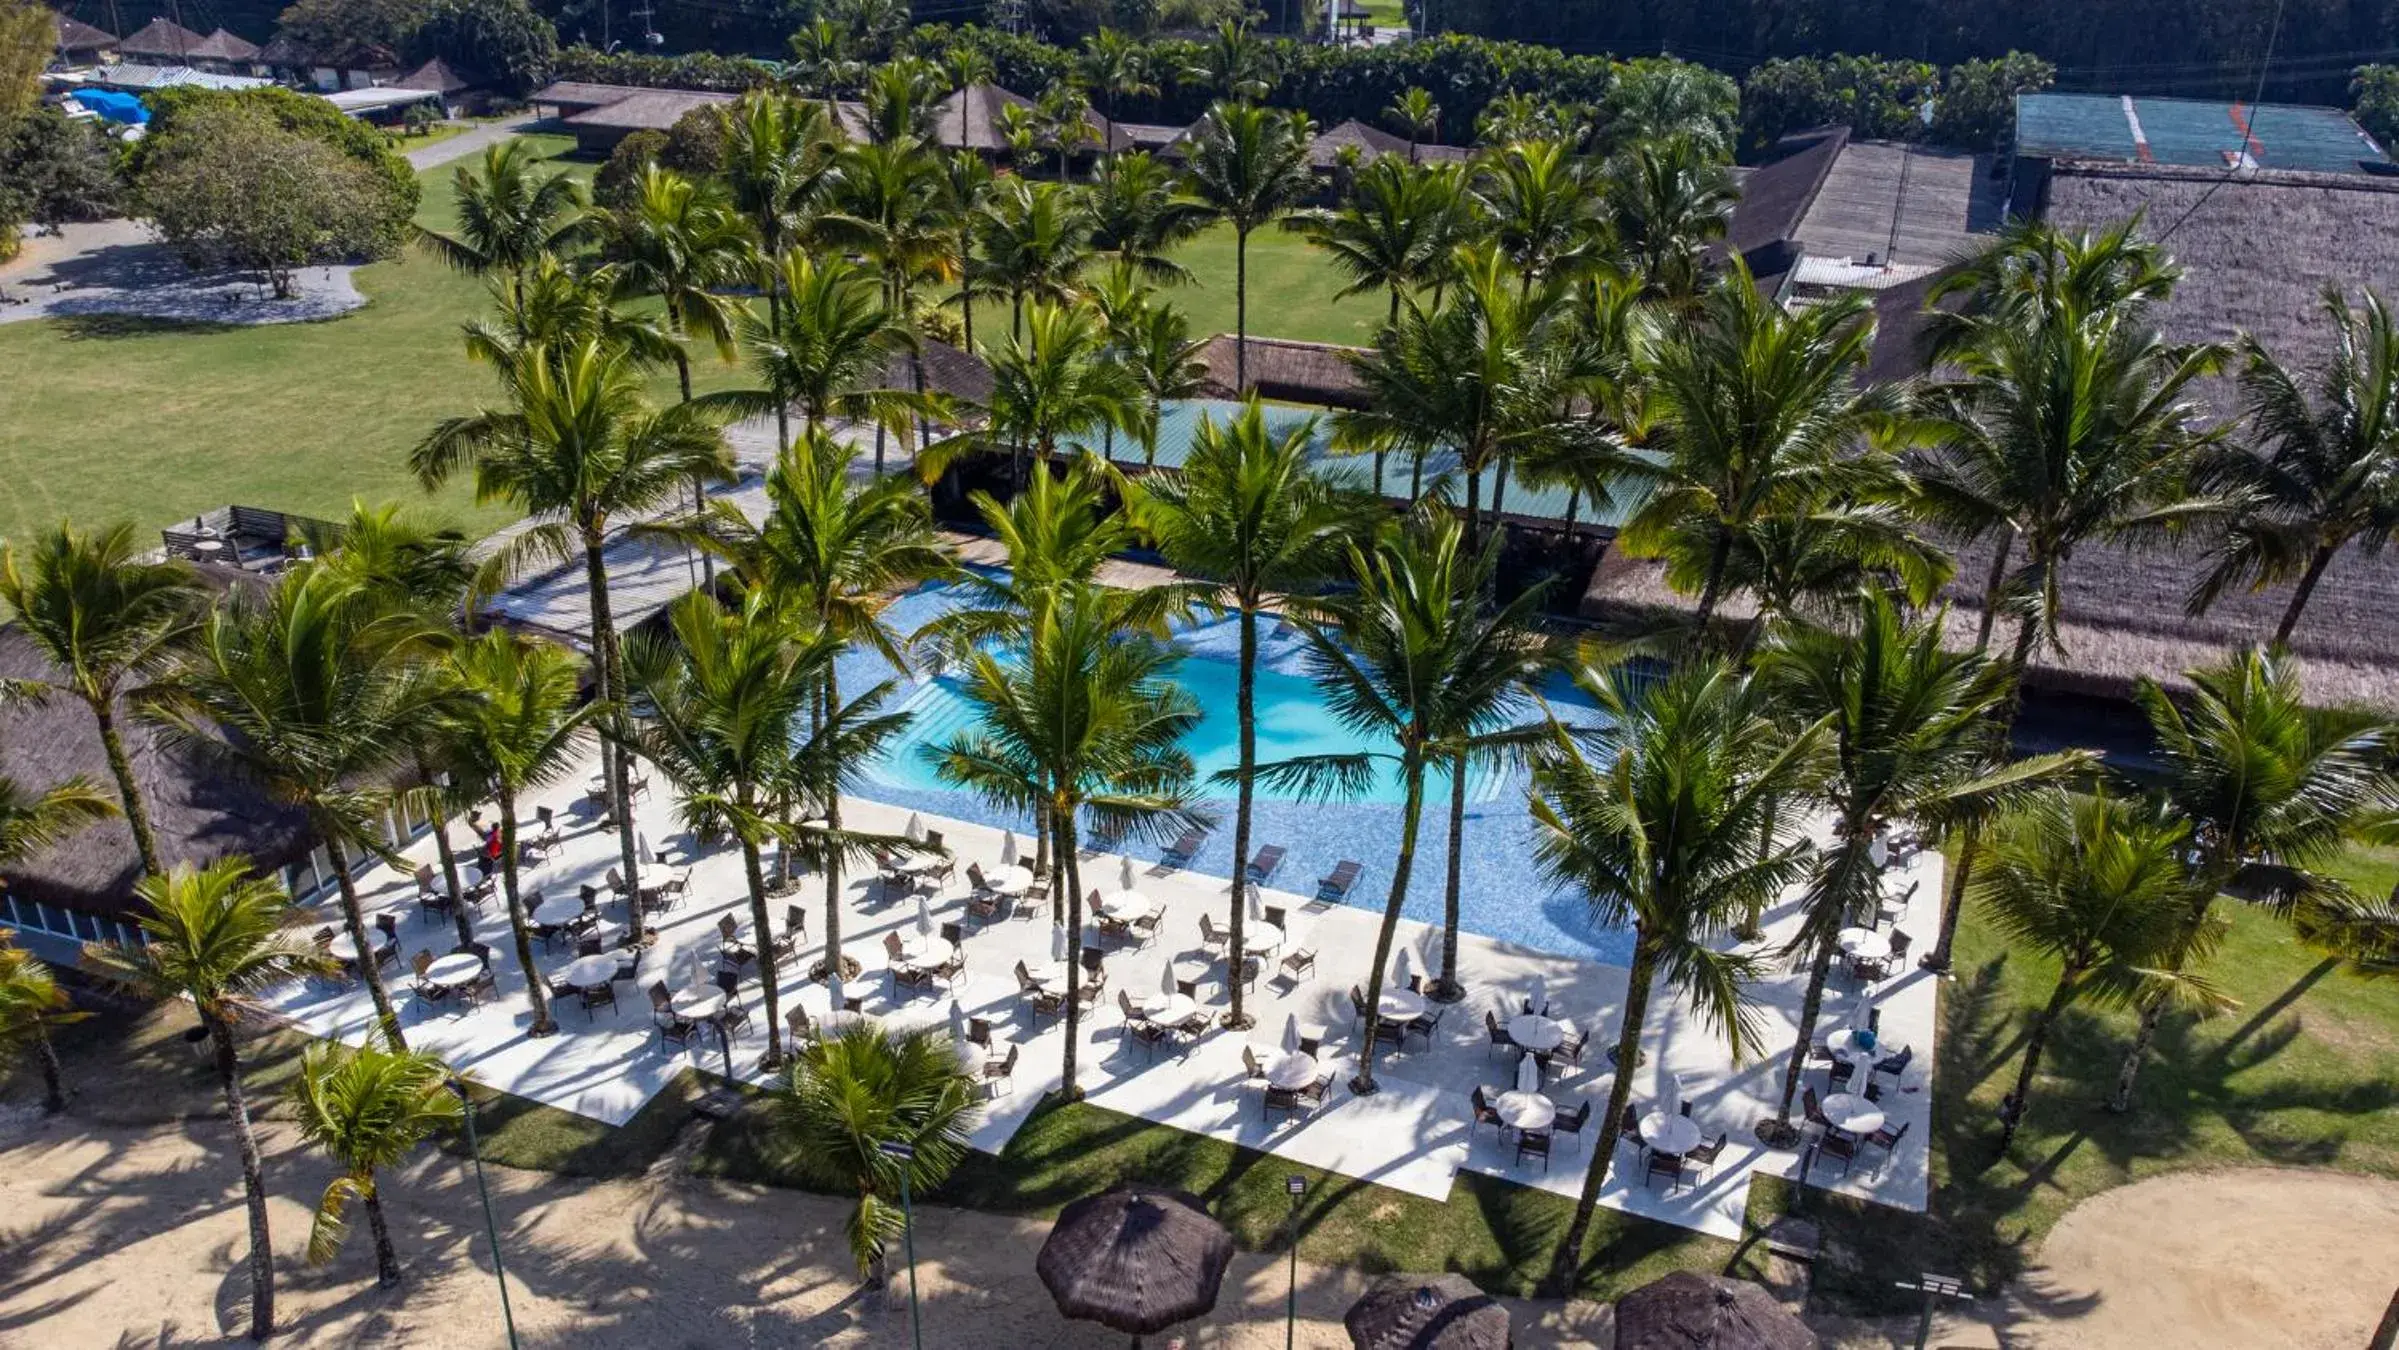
1291, 290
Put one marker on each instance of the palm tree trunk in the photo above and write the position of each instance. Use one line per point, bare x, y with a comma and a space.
1810, 1007
354, 919
1569, 1259
449, 876
137, 813
54, 1083
387, 1260
1718, 557
535, 991
755, 874
1474, 511
1241, 312
1499, 495
2153, 1010
774, 324
2013, 1109
1246, 713
1969, 843
832, 805
254, 1180
1574, 502
1067, 862
1412, 806
2299, 597
1416, 477
1446, 988
699, 489
609, 676
1991, 588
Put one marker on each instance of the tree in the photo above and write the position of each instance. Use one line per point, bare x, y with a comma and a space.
827, 351
1058, 382
1085, 721
1760, 407
232, 189
2323, 473
352, 32
1654, 98
614, 187
845, 1097
1031, 241
1115, 67
1415, 113
1904, 723
2271, 790
1386, 235
108, 621
580, 447
901, 100
27, 34
823, 64
778, 153
1246, 515
1155, 344
1539, 206
219, 937
1656, 816
367, 1110
1663, 203
519, 725
890, 203
1250, 165
57, 171
1139, 219
318, 695
509, 215
2096, 885
966, 182
31, 1001
506, 44
1411, 656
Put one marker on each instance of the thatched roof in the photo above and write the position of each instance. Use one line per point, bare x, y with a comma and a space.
983, 103
1280, 368
74, 35
648, 110
199, 812
1138, 1259
223, 45
1689, 1311
160, 38
435, 75
1427, 1312
573, 96
948, 370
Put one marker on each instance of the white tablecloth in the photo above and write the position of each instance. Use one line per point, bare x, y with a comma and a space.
1291, 1069
1051, 978
1669, 1133
1126, 904
1262, 939
698, 1005
455, 969
590, 972
928, 950
1400, 1005
1010, 880
1170, 1010
1852, 1114
560, 910
341, 948
1864, 944
1535, 1032
1525, 1110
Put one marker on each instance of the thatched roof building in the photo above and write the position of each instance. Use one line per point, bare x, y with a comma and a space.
160, 42
981, 105
1315, 373
79, 41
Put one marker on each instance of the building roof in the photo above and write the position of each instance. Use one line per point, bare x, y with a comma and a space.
950, 371
223, 45
1887, 204
161, 38
435, 75
139, 77
1776, 196
74, 35
983, 102
569, 96
2192, 133
646, 109
1280, 368
379, 98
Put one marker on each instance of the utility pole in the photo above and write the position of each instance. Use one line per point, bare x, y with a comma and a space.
1297, 1186
474, 1148
906, 1154
1934, 1288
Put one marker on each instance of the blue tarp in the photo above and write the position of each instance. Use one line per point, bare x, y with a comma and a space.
114, 106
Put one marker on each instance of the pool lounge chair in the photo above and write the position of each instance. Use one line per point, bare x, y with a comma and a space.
1181, 851
1334, 889
1267, 862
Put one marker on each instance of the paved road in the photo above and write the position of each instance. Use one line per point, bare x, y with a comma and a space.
468, 142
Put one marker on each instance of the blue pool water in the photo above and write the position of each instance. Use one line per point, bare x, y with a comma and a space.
1500, 894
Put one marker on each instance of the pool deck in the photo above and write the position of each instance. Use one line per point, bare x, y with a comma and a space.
1413, 1135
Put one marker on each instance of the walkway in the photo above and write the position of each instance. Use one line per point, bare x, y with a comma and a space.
470, 142
119, 267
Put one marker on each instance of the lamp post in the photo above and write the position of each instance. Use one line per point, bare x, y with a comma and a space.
906, 1154
491, 1227
1934, 1288
1296, 1186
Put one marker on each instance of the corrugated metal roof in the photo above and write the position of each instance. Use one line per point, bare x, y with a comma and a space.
2192, 133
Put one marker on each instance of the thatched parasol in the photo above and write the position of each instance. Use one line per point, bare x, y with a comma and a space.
1687, 1311
1427, 1312
1135, 1259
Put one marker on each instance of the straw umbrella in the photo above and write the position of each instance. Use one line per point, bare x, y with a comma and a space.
1135, 1260
1427, 1312
1687, 1311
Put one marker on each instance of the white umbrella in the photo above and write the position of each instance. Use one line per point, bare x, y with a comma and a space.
1401, 978
914, 830
691, 963
1124, 873
1057, 942
1878, 852
1539, 998
957, 1021
1291, 1032
833, 990
641, 847
1861, 1017
924, 915
1671, 1094
1257, 904
1008, 849
1166, 979
1528, 1074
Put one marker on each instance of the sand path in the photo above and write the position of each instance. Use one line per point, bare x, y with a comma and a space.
134, 1238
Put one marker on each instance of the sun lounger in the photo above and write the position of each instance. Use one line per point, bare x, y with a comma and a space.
1268, 860
1335, 888
1181, 851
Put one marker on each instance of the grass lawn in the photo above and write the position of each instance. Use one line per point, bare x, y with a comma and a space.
1291, 290
2304, 1073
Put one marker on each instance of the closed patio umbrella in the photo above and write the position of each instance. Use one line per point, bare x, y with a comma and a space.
1539, 998
1861, 1017
1670, 1093
957, 1021
1400, 978
1257, 904
641, 847
1136, 1260
1687, 1311
1008, 848
924, 915
1878, 852
1058, 942
1124, 872
914, 830
833, 990
1166, 978
1291, 1031
1528, 1074
1427, 1312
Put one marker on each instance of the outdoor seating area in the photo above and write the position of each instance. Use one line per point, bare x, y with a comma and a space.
957, 932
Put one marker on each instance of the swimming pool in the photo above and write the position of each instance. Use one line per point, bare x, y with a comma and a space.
1500, 895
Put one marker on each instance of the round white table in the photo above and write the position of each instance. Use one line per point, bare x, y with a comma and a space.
455, 969
1669, 1133
590, 972
1290, 1069
1535, 1032
1864, 944
1852, 1114
1401, 1005
1126, 904
1262, 939
1169, 1010
341, 948
1011, 881
970, 1055
698, 1004
921, 864
558, 912
1051, 978
1525, 1110
927, 949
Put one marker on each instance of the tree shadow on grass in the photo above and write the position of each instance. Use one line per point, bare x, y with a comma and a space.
101, 327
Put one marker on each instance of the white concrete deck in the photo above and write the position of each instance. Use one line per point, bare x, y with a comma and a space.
1412, 1135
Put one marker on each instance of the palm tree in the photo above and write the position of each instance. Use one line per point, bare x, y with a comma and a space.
2324, 472
1115, 67
1412, 657
1250, 165
1031, 241
1064, 118
1655, 815
844, 1098
1904, 720
2098, 886
1416, 114
1387, 233
519, 725
219, 937
319, 695
681, 240
1234, 63
1540, 207
822, 58
778, 155
368, 1110
966, 66
31, 1002
1056, 383
581, 448
511, 214
1138, 218
891, 203
966, 181
1246, 515
107, 621
722, 710
1156, 347
903, 98
2272, 791
1084, 721
1760, 407
1818, 556
828, 351
1663, 203
555, 306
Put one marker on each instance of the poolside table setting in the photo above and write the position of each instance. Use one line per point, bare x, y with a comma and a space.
1009, 880
342, 947
1670, 1132
1535, 1032
1852, 1114
454, 970
1864, 944
1127, 904
590, 972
